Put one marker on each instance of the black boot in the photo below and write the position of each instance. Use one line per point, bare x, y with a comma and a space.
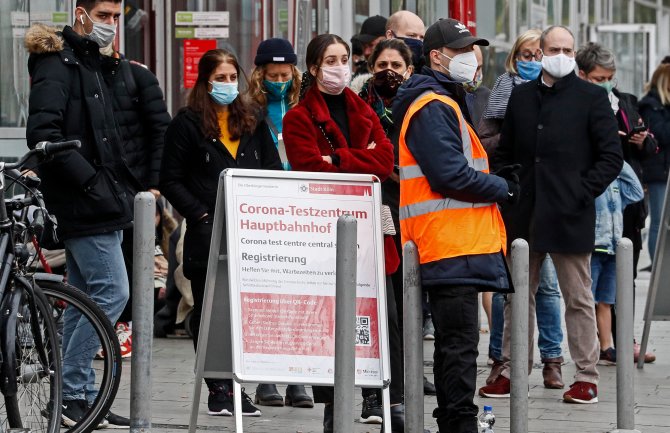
398, 419
328, 418
297, 396
267, 395
428, 388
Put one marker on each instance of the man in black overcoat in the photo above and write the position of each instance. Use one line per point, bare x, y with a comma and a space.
563, 133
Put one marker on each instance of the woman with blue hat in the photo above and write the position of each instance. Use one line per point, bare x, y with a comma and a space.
275, 86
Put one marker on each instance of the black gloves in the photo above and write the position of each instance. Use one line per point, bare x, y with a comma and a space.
513, 191
508, 173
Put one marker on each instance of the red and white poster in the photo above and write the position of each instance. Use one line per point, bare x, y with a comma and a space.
282, 247
193, 51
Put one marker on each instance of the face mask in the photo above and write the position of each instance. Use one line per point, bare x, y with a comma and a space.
607, 85
416, 46
335, 79
529, 70
558, 66
278, 89
223, 93
472, 86
386, 82
102, 34
462, 67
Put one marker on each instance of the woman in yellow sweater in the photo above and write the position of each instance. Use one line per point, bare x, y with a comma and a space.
219, 128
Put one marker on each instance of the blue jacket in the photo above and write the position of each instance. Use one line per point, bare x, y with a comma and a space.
434, 138
277, 108
624, 190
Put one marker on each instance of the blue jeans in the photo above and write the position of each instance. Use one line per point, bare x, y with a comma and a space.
547, 311
656, 192
95, 266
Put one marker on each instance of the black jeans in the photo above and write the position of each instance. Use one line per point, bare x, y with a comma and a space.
454, 310
325, 394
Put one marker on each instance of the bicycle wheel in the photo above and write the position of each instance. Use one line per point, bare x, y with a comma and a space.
32, 401
107, 371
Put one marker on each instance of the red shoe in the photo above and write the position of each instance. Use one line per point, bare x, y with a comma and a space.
648, 357
498, 389
125, 335
582, 392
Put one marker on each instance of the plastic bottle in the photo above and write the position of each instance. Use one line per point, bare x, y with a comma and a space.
486, 420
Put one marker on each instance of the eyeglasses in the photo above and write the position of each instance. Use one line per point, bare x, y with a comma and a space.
527, 56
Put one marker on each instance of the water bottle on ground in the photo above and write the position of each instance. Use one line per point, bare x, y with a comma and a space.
486, 420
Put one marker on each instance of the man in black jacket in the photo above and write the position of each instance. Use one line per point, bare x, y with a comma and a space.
84, 188
563, 133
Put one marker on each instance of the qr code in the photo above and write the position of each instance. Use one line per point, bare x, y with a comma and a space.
363, 331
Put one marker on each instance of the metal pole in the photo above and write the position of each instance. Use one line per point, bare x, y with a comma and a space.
625, 383
345, 314
412, 339
144, 235
519, 344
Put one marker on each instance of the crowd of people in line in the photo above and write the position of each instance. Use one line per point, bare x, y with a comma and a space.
554, 153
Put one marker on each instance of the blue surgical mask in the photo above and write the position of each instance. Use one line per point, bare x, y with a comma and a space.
278, 89
529, 70
607, 85
223, 93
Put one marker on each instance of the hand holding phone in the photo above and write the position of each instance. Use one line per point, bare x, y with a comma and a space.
637, 129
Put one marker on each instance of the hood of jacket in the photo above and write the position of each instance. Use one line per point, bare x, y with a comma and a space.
72, 47
42, 39
428, 81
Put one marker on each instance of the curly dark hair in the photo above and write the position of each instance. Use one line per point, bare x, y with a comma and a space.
243, 112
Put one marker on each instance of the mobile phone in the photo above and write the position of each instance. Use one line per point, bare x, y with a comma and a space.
637, 129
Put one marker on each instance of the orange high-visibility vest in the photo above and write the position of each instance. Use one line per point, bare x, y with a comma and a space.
440, 226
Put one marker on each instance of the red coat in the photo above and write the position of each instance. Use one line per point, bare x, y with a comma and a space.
305, 143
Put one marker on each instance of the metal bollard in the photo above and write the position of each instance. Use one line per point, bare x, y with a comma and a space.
625, 386
412, 339
143, 312
345, 314
519, 343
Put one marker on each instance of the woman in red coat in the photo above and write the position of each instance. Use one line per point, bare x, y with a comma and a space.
333, 130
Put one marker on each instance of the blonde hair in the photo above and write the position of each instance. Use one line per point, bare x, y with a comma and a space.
661, 82
257, 90
531, 35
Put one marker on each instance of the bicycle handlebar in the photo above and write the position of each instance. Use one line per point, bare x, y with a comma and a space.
48, 148
44, 149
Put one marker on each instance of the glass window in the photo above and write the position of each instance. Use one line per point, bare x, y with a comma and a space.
15, 18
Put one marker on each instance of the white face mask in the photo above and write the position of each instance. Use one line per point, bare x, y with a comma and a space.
558, 66
462, 67
102, 34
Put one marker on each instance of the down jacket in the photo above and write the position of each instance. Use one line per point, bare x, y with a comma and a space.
142, 117
69, 100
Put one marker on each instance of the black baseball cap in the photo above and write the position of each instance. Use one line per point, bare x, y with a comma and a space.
450, 33
372, 28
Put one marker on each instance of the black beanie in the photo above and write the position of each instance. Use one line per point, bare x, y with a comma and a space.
275, 50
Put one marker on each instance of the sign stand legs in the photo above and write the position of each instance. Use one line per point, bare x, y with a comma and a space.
237, 398
386, 400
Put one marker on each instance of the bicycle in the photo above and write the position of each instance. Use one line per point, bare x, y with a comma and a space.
62, 297
30, 361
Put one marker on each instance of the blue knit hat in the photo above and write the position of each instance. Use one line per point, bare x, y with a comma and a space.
275, 50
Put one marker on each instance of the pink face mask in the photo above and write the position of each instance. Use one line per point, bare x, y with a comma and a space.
335, 78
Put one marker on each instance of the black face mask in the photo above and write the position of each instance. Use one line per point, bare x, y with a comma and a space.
387, 82
416, 46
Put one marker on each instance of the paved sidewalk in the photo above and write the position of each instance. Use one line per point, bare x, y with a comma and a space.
173, 387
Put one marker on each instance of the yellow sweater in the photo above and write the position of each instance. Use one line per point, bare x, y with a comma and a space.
230, 144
